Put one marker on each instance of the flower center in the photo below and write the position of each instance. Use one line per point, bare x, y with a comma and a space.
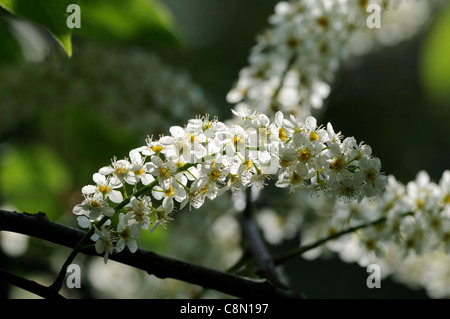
282, 134
121, 171
215, 174
322, 22
169, 192
304, 155
420, 203
337, 164
157, 148
295, 178
164, 172
447, 199
139, 172
313, 136
95, 203
125, 234
371, 174
104, 189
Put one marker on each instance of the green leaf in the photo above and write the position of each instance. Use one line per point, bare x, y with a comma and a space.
143, 22
10, 50
435, 61
52, 14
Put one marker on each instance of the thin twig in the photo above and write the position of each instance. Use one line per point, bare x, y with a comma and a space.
282, 258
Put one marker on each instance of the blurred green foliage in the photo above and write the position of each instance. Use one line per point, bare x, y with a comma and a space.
142, 22
145, 23
10, 51
30, 167
435, 60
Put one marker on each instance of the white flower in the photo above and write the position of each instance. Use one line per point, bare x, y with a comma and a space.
172, 191
370, 169
348, 186
104, 187
93, 206
152, 148
104, 242
121, 172
141, 209
139, 168
422, 193
164, 170
128, 232
163, 214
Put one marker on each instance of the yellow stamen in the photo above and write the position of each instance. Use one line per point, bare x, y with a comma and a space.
121, 170
304, 155
157, 148
104, 189
313, 136
282, 134
337, 164
170, 191
164, 172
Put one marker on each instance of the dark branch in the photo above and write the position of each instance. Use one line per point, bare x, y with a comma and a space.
28, 285
37, 225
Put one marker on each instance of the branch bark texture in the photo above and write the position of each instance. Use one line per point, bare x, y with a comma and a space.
37, 225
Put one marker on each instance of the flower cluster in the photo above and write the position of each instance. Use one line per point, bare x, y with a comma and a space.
414, 225
206, 158
294, 61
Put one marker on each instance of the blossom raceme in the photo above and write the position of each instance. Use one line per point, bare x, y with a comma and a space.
295, 60
407, 230
207, 158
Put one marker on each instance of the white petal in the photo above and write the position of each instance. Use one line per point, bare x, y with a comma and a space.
154, 227
135, 156
120, 245
135, 231
89, 189
115, 181
311, 122
157, 161
79, 209
167, 140
168, 205
84, 222
107, 170
176, 131
301, 169
132, 245
108, 211
147, 179
157, 193
115, 196
99, 246
99, 178
279, 117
